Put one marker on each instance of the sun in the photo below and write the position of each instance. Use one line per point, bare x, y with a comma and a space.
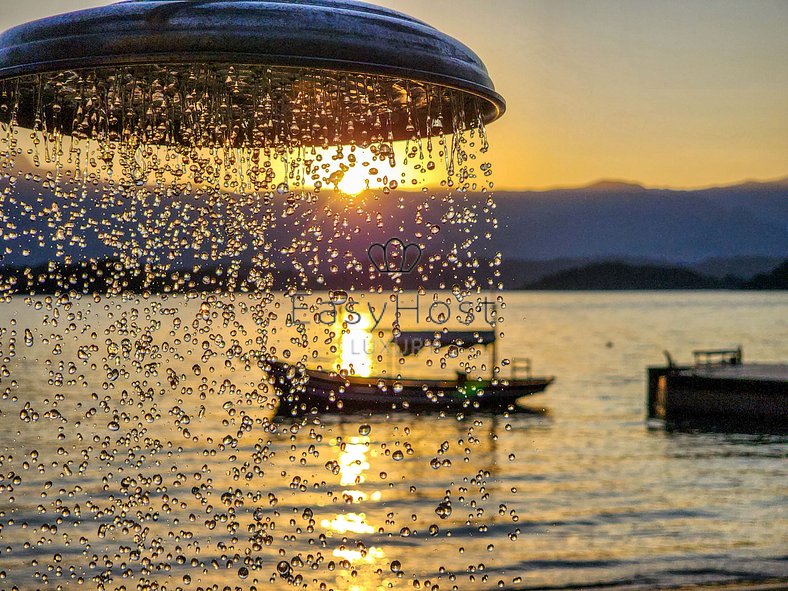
355, 181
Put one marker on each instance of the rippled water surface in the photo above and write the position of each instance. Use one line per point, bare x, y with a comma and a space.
196, 487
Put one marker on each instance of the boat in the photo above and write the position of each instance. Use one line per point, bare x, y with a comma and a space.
301, 390
719, 388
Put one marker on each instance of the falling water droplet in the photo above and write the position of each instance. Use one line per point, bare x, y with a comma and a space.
443, 510
283, 568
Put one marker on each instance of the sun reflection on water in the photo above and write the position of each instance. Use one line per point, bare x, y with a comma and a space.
355, 556
361, 562
355, 348
353, 462
349, 522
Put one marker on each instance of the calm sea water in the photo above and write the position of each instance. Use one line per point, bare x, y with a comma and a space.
193, 486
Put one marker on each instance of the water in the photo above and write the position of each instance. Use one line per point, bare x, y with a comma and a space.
190, 485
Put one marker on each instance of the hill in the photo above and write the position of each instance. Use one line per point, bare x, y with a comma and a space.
621, 276
615, 220
742, 267
777, 279
736, 231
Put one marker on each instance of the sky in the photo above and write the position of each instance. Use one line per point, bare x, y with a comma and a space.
667, 93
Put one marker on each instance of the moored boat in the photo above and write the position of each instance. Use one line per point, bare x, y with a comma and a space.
302, 390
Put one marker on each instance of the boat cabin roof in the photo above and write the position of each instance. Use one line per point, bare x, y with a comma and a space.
411, 342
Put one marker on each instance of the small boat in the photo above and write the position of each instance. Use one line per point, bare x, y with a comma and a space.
301, 390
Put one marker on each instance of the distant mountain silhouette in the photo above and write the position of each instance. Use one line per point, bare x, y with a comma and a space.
515, 272
615, 220
112, 277
741, 267
777, 279
609, 185
621, 276
739, 230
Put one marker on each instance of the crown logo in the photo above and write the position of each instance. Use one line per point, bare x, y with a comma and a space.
395, 256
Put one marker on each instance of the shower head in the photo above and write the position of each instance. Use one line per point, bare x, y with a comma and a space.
274, 46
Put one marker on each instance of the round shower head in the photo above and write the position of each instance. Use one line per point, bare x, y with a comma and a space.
296, 41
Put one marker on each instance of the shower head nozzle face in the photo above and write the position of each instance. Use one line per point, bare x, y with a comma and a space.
383, 55
213, 105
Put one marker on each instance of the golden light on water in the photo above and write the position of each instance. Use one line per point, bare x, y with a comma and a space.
353, 462
352, 467
365, 561
355, 348
355, 556
349, 522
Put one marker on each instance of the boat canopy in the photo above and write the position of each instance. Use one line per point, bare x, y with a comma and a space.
410, 343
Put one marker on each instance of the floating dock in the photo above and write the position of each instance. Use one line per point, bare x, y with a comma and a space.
719, 387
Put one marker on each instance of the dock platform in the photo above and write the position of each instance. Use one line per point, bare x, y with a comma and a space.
727, 390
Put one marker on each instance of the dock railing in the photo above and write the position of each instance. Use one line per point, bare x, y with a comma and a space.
718, 357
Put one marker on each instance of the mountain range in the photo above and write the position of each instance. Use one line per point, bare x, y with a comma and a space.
610, 220
736, 231
615, 275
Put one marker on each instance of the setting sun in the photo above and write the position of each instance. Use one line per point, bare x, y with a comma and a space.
355, 181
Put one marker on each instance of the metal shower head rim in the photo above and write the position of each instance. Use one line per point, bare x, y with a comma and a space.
329, 35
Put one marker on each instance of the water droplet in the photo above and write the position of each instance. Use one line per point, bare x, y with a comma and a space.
443, 510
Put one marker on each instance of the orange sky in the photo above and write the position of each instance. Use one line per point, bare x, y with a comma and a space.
679, 93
